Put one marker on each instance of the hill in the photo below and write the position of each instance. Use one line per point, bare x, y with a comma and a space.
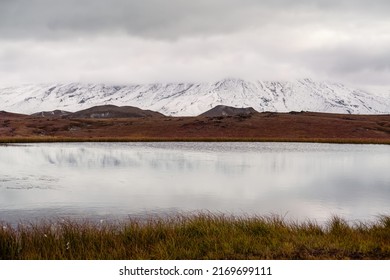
55, 113
223, 111
112, 111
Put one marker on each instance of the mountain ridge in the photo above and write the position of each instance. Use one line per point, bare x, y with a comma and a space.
112, 111
224, 111
192, 99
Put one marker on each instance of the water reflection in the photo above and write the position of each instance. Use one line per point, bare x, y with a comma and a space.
298, 181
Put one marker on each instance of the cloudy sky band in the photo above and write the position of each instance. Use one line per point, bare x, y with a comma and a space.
122, 41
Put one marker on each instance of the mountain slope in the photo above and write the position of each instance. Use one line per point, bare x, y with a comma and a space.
191, 99
111, 111
55, 113
223, 111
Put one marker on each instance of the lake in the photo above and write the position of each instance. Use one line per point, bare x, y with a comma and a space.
104, 181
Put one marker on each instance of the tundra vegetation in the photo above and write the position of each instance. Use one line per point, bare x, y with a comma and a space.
202, 236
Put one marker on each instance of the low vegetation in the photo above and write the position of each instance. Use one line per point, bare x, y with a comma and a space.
197, 237
18, 140
261, 127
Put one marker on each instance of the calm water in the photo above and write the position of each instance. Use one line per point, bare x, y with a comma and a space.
114, 181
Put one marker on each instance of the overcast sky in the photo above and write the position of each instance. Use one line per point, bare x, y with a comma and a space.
131, 41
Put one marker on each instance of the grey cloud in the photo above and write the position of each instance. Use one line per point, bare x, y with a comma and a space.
170, 40
168, 18
155, 18
357, 66
342, 61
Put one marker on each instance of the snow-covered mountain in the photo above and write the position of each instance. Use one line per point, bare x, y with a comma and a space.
191, 99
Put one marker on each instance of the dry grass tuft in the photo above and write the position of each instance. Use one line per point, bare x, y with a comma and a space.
203, 236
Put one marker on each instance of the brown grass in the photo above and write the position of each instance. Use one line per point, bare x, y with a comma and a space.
270, 127
15, 140
197, 237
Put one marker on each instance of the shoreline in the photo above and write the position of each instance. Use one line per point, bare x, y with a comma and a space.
260, 127
24, 140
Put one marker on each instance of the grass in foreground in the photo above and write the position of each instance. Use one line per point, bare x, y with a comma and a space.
197, 237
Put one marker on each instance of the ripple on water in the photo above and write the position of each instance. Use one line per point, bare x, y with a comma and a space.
28, 182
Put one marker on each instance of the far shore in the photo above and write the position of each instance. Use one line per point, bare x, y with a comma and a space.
26, 140
257, 127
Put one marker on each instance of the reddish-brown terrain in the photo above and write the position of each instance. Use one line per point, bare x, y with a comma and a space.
294, 126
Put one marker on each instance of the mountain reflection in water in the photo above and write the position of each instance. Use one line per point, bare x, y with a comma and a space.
115, 180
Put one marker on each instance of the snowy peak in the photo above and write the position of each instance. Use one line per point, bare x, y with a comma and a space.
191, 99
